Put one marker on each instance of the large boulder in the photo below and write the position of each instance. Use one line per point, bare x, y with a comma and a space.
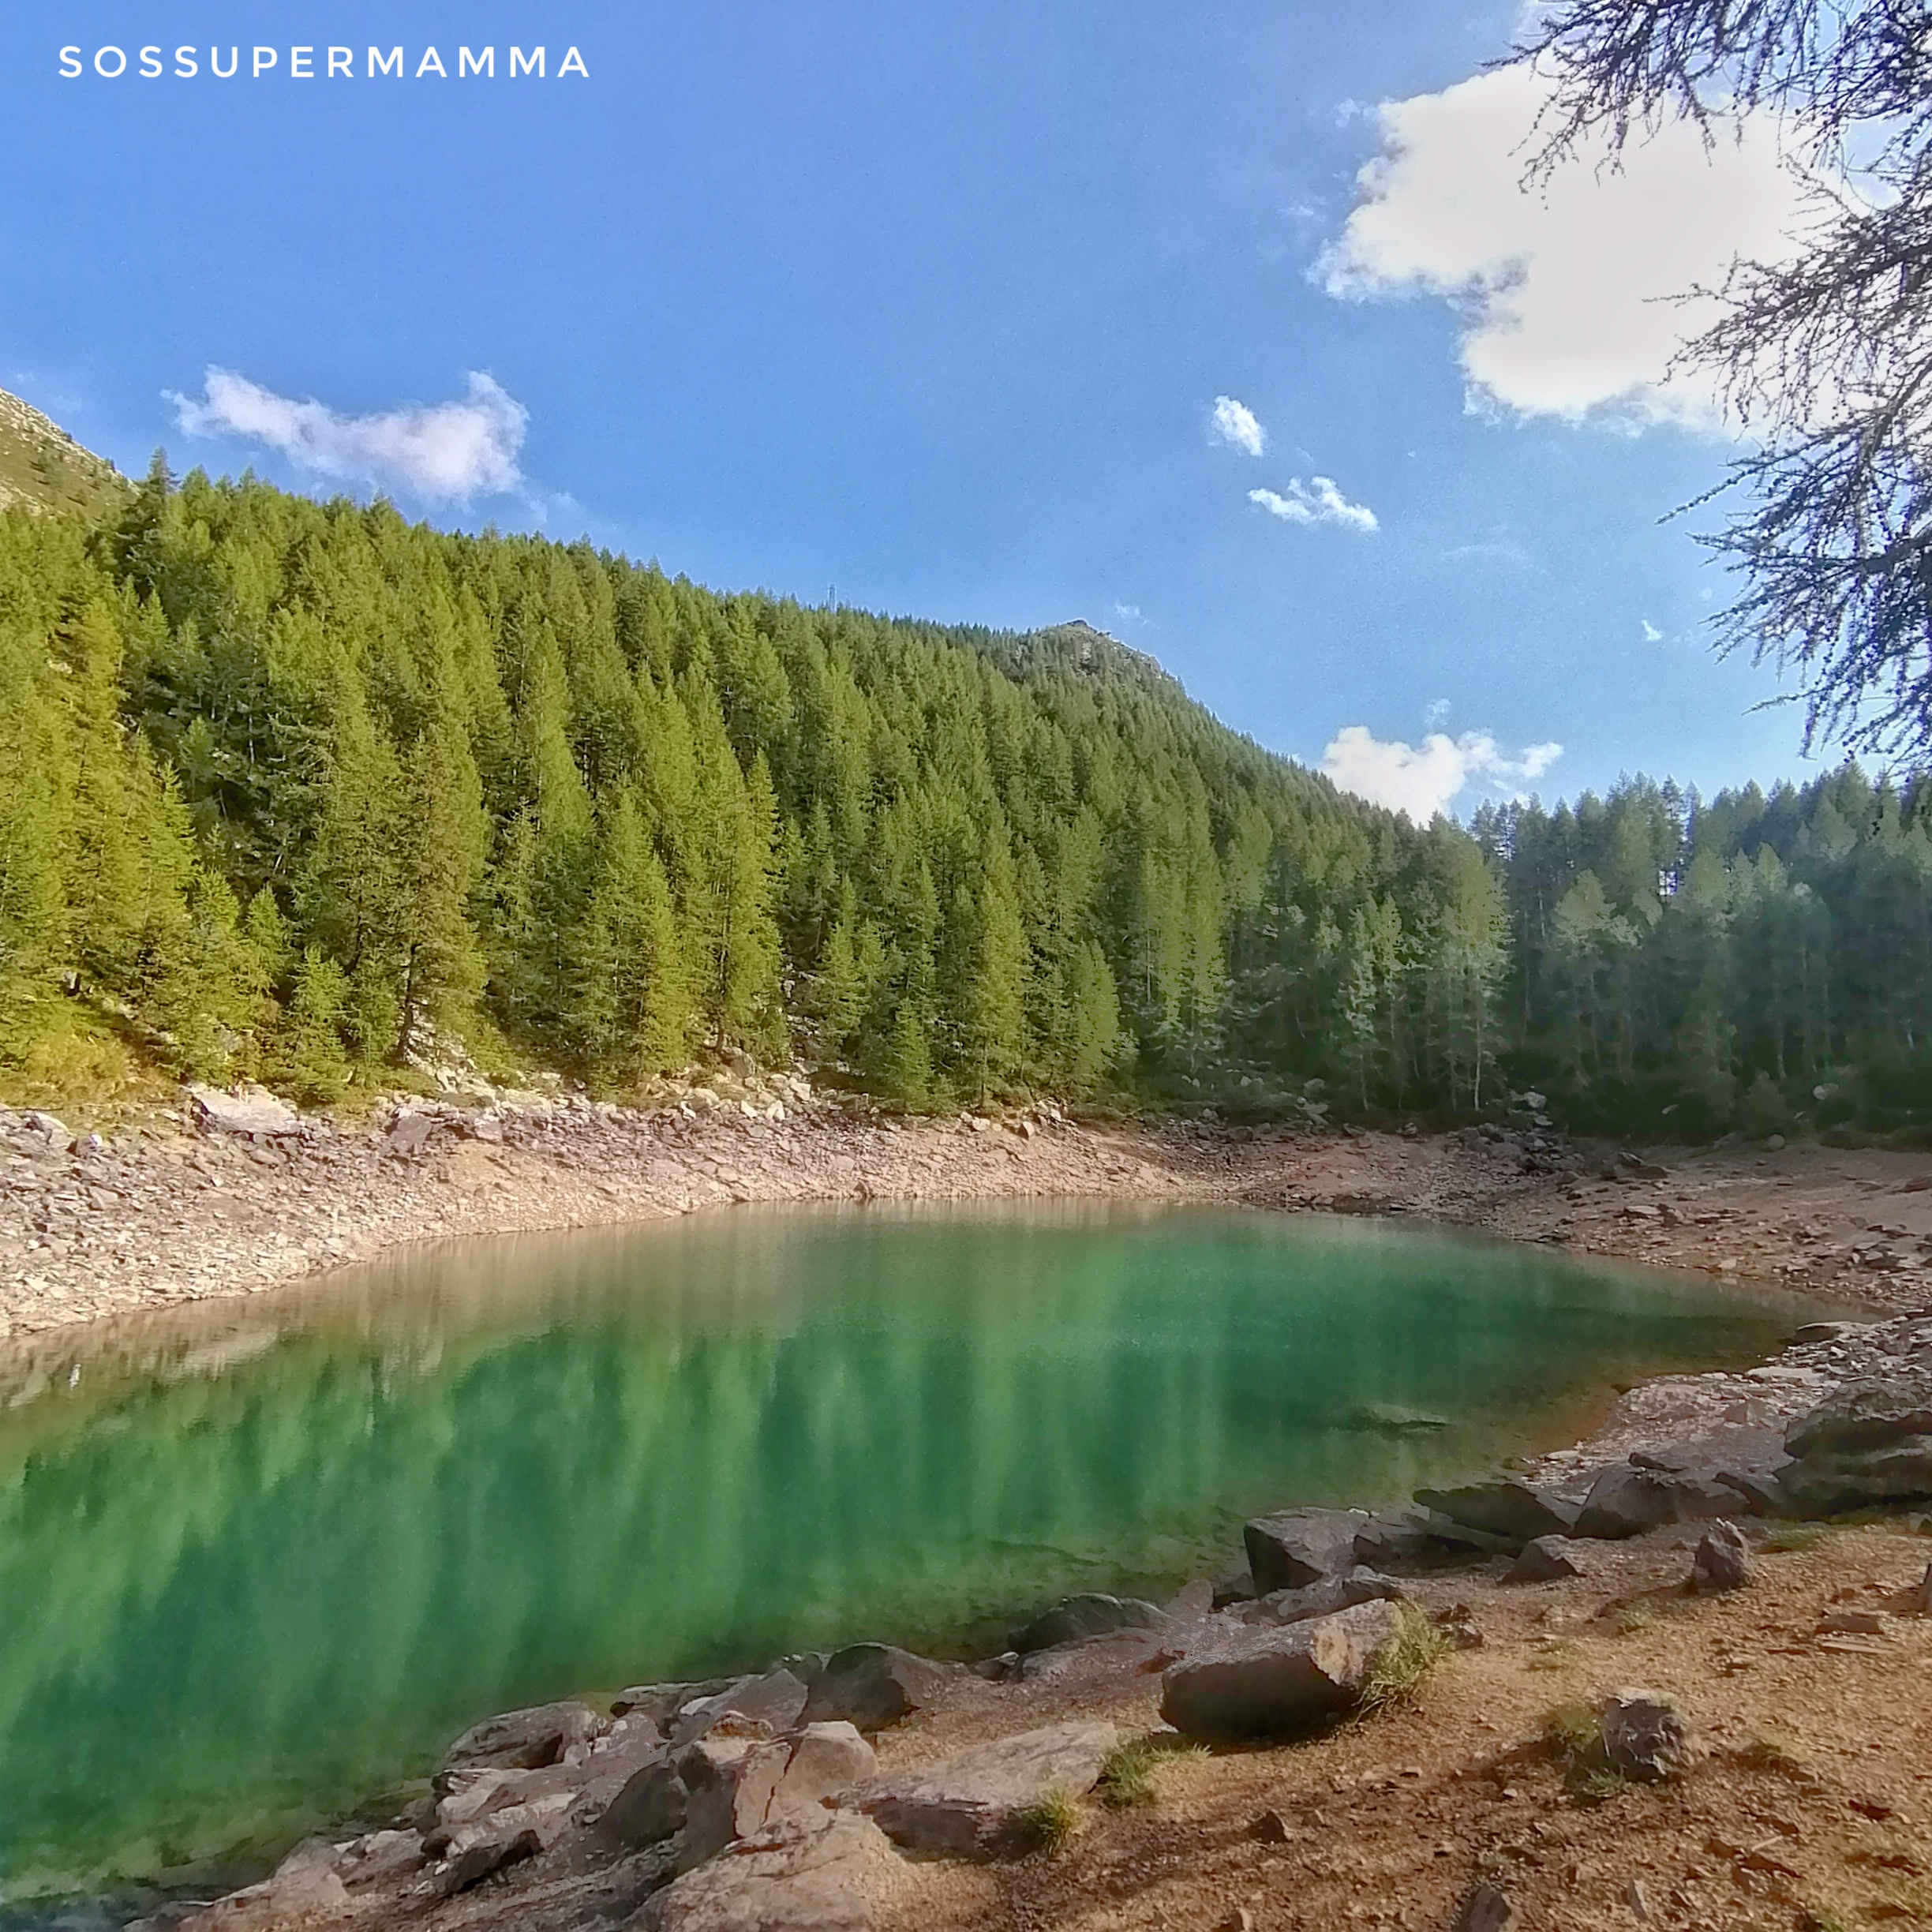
873, 1685
840, 1876
726, 1787
1865, 1415
977, 1803
828, 1762
729, 1783
249, 1109
305, 1890
776, 1698
1403, 1539
501, 1837
524, 1740
1088, 1615
1625, 1500
1332, 1594
1259, 1681
1504, 1508
650, 1807
1295, 1548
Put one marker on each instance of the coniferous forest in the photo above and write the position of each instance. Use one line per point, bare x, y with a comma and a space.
303, 793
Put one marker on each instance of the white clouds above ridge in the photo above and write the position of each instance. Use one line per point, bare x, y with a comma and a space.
445, 452
1236, 425
1424, 779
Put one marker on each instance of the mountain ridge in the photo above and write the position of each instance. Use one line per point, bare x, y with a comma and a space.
42, 468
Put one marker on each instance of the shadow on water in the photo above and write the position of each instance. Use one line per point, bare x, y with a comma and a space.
260, 1560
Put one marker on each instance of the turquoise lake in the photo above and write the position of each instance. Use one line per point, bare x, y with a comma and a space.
260, 1561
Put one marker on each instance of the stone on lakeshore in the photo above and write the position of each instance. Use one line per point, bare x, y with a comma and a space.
1090, 1614
976, 1803
305, 1889
1820, 1483
1332, 1594
1547, 1559
1503, 1507
1625, 1500
1238, 1586
523, 1740
1295, 1548
842, 1876
1257, 1681
1865, 1415
1401, 1540
728, 1782
650, 1807
248, 1111
776, 1698
378, 1858
502, 1837
661, 1702
873, 1685
828, 1761
1722, 1561
1646, 1735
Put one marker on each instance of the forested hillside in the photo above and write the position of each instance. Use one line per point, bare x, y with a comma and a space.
302, 792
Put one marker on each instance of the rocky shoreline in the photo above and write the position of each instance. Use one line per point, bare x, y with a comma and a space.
227, 1195
820, 1793
827, 1792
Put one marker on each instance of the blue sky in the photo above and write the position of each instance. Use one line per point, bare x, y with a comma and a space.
929, 307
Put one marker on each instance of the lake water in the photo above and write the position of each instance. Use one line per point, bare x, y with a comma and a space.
261, 1560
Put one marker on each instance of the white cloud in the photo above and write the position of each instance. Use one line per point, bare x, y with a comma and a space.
1565, 289
1236, 423
1652, 634
445, 452
1316, 501
1424, 779
1436, 712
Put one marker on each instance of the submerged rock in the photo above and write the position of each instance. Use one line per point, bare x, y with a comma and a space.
1088, 1615
1257, 1681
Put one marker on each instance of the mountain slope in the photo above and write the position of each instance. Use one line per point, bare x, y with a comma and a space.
44, 468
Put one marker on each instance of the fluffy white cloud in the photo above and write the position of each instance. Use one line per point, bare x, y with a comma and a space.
445, 452
1316, 501
1565, 290
1652, 634
1236, 423
1424, 779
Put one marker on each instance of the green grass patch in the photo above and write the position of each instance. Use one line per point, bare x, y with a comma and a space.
1052, 1821
1407, 1662
1771, 1750
1131, 1775
1783, 1538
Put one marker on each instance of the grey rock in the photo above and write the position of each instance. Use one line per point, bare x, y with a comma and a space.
661, 1702
728, 1782
524, 1740
1246, 1681
776, 1698
975, 1804
1821, 1482
305, 1890
649, 1808
1458, 1541
1547, 1559
872, 1686
378, 1858
1866, 1415
843, 1876
1400, 1541
249, 1110
1296, 1547
1625, 1500
1503, 1507
1646, 1736
1721, 1562
1236, 1586
1088, 1615
827, 1762
1484, 1909
1361, 1586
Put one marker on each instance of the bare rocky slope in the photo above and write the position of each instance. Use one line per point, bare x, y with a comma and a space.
44, 468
